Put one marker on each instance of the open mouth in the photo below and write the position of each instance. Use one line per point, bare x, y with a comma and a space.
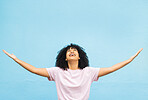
72, 55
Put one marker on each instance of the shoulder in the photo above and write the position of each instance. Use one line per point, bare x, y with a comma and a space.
53, 68
89, 68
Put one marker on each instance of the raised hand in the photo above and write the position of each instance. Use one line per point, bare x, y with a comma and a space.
105, 71
10, 55
136, 54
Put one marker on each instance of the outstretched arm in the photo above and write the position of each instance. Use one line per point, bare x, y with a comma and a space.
105, 71
38, 71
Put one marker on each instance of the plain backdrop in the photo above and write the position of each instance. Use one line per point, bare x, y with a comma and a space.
110, 31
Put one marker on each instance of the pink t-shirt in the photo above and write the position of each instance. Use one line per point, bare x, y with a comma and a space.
73, 84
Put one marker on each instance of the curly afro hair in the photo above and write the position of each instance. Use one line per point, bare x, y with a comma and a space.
60, 59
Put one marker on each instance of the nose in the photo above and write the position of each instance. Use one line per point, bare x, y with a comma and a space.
71, 50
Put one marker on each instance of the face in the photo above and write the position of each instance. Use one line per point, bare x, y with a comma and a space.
72, 54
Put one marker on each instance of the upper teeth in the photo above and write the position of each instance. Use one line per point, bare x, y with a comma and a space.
71, 54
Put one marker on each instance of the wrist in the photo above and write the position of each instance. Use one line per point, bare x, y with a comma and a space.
131, 59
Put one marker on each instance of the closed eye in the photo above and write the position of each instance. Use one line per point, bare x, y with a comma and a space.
72, 48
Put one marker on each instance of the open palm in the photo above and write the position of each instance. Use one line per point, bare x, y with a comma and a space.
10, 55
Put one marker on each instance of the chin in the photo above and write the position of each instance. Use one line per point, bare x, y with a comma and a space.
73, 60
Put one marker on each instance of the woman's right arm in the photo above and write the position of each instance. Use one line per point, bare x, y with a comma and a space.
38, 71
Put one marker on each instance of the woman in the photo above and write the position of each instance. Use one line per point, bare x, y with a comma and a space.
72, 74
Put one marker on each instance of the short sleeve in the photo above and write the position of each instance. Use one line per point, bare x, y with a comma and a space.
94, 72
52, 73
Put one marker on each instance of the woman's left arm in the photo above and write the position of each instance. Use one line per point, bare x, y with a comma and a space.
105, 71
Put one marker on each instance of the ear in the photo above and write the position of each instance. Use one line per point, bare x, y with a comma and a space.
65, 59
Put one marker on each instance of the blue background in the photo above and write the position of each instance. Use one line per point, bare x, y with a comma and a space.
110, 31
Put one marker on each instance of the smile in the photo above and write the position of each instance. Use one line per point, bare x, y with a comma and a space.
72, 55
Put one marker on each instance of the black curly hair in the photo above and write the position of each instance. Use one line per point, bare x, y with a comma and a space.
60, 59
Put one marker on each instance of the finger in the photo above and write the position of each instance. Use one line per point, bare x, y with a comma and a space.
139, 50
6, 52
136, 53
3, 50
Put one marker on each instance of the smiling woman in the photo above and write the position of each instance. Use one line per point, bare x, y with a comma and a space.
65, 60
73, 75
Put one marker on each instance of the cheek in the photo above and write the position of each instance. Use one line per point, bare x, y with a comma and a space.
67, 55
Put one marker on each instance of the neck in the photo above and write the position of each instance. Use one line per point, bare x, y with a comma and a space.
73, 65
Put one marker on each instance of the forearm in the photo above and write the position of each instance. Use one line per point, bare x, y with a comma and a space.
120, 65
25, 65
